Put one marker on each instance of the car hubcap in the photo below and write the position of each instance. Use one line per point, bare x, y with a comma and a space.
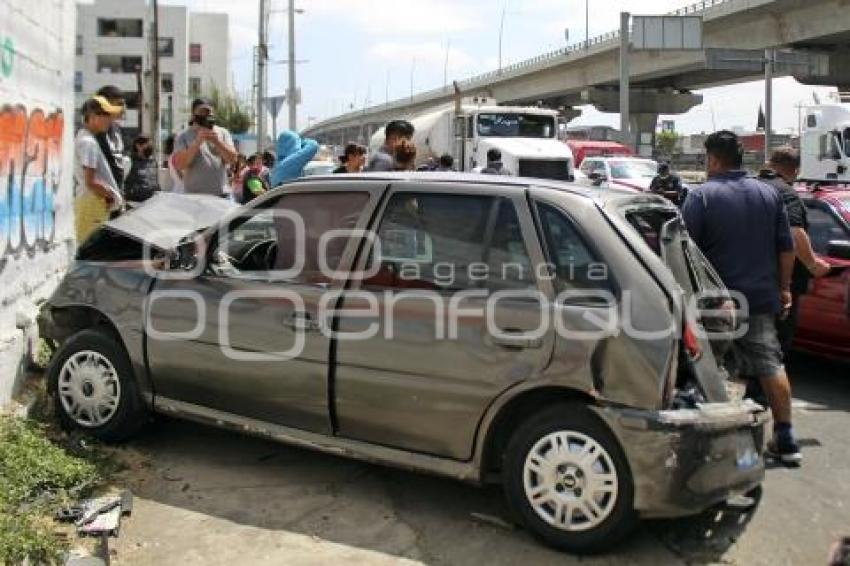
570, 481
89, 389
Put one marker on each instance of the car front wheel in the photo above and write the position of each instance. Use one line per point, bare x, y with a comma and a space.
94, 388
566, 479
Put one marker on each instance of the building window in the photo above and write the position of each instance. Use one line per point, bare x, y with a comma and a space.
131, 100
118, 64
166, 46
194, 86
79, 44
121, 27
194, 52
166, 81
78, 81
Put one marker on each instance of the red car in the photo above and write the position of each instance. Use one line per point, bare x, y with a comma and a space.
824, 323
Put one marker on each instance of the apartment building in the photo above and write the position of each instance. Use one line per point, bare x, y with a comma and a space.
113, 46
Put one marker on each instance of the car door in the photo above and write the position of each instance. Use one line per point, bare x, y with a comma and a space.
423, 381
244, 336
824, 319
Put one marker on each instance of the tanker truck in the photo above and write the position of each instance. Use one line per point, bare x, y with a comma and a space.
526, 137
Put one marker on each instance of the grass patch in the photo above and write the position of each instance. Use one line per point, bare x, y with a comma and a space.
36, 477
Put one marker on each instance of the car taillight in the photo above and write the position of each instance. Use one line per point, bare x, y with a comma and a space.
689, 339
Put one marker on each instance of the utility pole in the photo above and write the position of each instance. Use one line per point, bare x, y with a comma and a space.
446, 64
262, 57
586, 25
412, 73
625, 18
292, 96
154, 113
769, 55
501, 33
141, 98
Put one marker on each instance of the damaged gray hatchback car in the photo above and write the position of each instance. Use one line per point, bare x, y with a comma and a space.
520, 331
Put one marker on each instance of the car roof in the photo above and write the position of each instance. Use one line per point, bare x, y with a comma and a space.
597, 194
825, 192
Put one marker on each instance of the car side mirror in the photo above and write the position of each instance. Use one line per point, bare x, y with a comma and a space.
839, 249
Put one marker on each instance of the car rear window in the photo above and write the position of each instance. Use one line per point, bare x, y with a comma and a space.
689, 266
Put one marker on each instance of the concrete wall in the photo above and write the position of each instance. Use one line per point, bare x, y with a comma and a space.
211, 31
36, 157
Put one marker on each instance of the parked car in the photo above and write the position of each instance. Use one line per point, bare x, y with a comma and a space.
824, 319
630, 173
587, 428
583, 149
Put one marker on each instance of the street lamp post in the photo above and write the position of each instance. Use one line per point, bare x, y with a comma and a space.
501, 33
262, 57
292, 97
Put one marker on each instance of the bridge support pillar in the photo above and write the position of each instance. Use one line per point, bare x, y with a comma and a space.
646, 105
643, 128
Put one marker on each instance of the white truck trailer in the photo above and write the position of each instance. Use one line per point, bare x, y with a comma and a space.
825, 144
525, 136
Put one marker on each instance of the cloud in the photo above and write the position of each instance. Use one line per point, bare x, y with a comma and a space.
401, 17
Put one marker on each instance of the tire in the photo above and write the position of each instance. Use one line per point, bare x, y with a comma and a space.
566, 514
94, 389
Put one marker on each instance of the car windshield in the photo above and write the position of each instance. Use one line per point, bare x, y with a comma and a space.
633, 169
516, 125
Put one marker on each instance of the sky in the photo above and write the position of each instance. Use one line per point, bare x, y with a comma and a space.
363, 52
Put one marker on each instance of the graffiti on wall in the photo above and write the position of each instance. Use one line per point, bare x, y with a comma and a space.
30, 173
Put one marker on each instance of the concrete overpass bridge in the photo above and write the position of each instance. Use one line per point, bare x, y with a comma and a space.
814, 36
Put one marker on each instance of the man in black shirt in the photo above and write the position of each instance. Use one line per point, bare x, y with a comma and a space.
667, 185
781, 171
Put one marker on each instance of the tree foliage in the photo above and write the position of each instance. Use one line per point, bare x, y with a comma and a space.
231, 113
665, 142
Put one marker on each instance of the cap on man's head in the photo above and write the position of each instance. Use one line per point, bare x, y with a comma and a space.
100, 105
110, 92
202, 103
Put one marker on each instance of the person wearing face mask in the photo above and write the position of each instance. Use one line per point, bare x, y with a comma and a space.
203, 152
143, 179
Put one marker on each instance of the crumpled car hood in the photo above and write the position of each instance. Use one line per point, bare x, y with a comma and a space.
164, 219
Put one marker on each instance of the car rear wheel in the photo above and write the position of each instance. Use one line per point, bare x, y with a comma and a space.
566, 479
94, 388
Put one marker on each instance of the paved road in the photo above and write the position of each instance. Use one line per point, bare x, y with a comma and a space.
210, 497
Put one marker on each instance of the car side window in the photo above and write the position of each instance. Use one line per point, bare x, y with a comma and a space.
270, 239
575, 264
450, 242
824, 227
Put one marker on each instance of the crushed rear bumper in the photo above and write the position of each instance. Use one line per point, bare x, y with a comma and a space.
684, 461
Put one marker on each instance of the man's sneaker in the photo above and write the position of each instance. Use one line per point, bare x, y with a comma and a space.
785, 451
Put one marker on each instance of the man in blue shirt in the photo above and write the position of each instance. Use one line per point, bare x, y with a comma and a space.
741, 225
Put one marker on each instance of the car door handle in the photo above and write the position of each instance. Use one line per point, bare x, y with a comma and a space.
516, 340
301, 321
